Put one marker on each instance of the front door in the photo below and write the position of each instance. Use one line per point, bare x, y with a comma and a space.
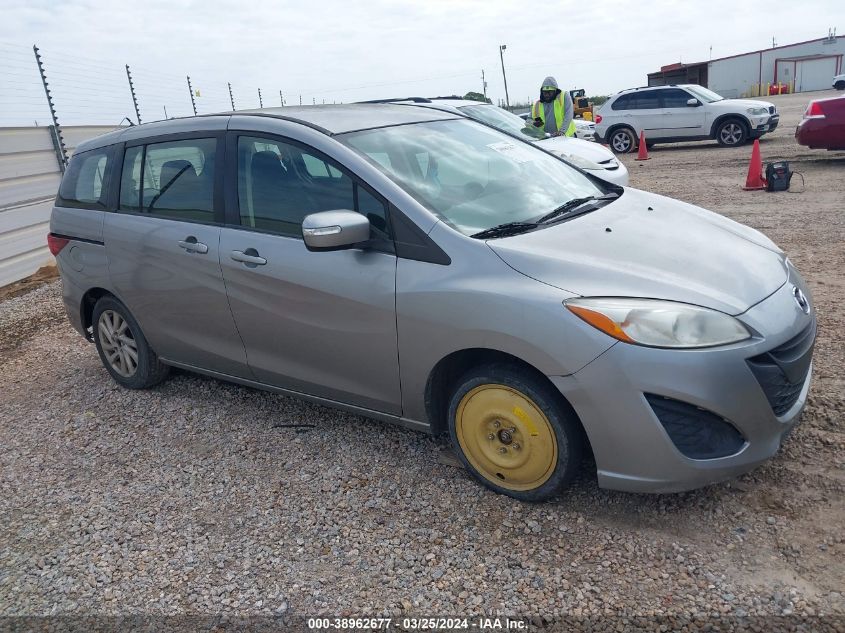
162, 246
320, 323
679, 118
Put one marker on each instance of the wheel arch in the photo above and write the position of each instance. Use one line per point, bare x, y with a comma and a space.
86, 308
449, 369
725, 117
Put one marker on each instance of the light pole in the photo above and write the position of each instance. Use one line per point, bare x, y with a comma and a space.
504, 76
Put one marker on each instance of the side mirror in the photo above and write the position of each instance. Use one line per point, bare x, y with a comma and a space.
693, 103
334, 230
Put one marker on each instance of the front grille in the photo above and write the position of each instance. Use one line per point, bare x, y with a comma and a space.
782, 371
696, 432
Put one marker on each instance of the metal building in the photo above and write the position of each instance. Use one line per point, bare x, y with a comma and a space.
803, 66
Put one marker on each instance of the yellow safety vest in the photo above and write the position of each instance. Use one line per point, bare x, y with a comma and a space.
538, 111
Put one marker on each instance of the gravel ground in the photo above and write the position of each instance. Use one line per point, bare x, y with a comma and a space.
195, 497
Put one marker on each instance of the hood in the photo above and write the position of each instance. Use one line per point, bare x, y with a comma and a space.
550, 81
676, 252
577, 146
742, 103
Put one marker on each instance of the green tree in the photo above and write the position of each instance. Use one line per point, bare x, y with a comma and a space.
476, 96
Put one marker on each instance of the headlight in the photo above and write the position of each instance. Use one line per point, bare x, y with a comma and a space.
578, 161
658, 323
757, 111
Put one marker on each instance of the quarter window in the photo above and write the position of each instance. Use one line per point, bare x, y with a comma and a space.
85, 183
280, 183
173, 180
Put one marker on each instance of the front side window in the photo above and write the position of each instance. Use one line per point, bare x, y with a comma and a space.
84, 184
173, 180
675, 98
280, 183
470, 175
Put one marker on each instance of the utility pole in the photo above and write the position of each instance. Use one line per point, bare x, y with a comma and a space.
132, 90
483, 85
502, 48
260, 101
281, 98
191, 92
231, 97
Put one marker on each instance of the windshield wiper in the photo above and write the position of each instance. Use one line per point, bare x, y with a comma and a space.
568, 207
503, 230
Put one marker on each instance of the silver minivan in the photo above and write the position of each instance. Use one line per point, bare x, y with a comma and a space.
421, 268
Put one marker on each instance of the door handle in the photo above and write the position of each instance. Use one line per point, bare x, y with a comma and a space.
249, 257
191, 245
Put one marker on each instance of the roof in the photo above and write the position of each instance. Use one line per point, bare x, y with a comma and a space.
329, 119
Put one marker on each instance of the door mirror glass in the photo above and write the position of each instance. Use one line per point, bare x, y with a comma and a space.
693, 103
334, 230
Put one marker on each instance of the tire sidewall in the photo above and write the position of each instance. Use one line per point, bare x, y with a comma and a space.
566, 430
146, 358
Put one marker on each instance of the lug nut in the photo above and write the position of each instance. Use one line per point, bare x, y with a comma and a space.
497, 424
491, 437
503, 450
516, 446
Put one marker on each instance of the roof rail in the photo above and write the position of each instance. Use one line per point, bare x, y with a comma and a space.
395, 99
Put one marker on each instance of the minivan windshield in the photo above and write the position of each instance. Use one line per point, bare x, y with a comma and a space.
502, 120
470, 175
704, 95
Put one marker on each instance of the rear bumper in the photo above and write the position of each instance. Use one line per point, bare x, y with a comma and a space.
818, 133
633, 449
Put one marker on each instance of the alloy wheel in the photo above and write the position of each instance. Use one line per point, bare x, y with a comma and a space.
118, 344
731, 133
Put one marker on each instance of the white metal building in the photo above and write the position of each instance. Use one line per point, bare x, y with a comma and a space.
803, 66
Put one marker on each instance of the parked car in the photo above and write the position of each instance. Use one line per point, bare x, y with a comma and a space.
671, 114
420, 268
823, 124
839, 82
591, 157
584, 129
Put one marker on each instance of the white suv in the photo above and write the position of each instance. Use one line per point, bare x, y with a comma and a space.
671, 114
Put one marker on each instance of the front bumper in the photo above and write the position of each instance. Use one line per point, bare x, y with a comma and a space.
767, 125
633, 450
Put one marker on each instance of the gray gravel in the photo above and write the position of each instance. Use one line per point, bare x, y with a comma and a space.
195, 498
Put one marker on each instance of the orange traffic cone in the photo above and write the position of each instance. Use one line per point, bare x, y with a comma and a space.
755, 180
642, 154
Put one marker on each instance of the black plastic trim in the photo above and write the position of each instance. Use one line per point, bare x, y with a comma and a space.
413, 243
85, 240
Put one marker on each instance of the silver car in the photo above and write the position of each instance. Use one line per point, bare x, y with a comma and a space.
424, 269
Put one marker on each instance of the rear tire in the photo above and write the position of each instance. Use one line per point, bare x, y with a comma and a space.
732, 133
511, 431
123, 348
622, 140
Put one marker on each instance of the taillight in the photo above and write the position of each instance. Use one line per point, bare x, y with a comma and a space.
56, 243
814, 110
598, 118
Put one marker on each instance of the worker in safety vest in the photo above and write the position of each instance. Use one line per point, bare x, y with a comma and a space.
554, 111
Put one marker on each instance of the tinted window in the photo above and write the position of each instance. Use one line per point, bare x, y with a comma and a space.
622, 103
646, 100
675, 98
280, 183
85, 183
173, 180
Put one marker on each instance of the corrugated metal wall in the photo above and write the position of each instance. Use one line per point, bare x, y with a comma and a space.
29, 179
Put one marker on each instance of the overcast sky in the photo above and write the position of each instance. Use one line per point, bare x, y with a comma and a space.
345, 51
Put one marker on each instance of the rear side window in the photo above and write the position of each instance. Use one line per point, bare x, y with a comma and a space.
85, 184
645, 100
172, 180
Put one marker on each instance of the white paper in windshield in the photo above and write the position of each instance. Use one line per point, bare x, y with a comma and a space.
516, 152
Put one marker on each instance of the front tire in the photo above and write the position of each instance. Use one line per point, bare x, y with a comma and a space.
511, 431
732, 133
839, 85
123, 348
622, 140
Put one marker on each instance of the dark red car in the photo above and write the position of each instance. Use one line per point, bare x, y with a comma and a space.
823, 125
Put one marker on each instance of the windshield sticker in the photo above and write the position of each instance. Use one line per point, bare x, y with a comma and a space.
515, 152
